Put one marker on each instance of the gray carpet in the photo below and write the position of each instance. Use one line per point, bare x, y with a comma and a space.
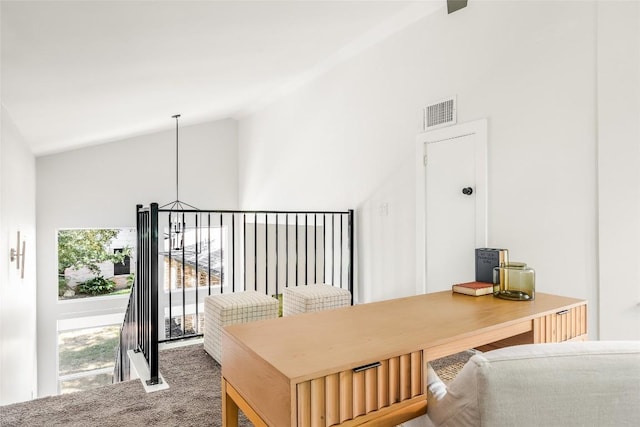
193, 398
448, 367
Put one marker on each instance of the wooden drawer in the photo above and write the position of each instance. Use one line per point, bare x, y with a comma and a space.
565, 325
346, 395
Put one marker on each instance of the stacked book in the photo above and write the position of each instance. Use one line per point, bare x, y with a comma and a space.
486, 260
473, 288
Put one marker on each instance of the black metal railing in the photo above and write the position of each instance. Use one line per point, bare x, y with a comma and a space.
229, 251
139, 331
185, 255
128, 340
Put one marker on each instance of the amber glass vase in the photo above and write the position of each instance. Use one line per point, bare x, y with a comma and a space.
514, 281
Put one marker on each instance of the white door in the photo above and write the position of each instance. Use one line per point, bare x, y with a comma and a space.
455, 189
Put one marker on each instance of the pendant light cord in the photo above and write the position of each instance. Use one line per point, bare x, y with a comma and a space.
177, 204
177, 157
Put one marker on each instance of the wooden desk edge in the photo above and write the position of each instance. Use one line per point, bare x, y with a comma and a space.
231, 402
405, 411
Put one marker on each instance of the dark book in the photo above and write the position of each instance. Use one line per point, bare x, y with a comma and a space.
473, 288
486, 260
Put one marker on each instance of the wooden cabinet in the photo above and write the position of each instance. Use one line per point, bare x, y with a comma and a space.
367, 363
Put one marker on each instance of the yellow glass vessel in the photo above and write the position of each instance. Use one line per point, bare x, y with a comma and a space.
514, 281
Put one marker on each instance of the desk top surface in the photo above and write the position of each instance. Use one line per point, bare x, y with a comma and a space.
301, 344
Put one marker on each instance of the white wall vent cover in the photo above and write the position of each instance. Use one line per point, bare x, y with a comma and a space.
438, 115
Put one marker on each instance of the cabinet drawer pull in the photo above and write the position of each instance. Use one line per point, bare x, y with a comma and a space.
365, 367
560, 313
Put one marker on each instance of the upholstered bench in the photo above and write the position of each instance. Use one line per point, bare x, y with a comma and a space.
229, 309
304, 299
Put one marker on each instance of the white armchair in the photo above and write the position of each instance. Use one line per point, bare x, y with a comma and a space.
594, 383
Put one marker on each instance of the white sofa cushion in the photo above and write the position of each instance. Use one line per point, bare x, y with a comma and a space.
594, 383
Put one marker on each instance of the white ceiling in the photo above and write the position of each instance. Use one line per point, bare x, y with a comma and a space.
76, 73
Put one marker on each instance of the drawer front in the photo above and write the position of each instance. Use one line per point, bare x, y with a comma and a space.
339, 397
562, 326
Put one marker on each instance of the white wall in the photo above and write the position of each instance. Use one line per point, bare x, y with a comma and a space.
347, 139
99, 187
536, 70
17, 296
619, 168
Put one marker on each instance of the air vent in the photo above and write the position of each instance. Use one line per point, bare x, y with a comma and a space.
439, 114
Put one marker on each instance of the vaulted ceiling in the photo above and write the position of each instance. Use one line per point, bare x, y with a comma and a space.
76, 73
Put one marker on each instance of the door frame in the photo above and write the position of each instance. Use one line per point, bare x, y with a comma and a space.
479, 128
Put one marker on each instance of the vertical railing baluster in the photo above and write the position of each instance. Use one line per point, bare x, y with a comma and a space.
324, 248
333, 250
297, 250
146, 290
170, 274
306, 254
341, 246
140, 265
141, 292
233, 252
277, 259
255, 251
209, 252
266, 253
153, 356
244, 245
196, 326
286, 248
351, 255
315, 248
149, 288
221, 255
183, 269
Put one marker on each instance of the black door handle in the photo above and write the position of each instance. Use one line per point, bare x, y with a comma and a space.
467, 191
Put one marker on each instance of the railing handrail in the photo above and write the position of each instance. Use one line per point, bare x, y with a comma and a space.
265, 211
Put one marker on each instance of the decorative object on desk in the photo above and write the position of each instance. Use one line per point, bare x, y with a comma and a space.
486, 260
475, 289
514, 281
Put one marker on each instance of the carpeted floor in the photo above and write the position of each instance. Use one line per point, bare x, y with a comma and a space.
193, 397
448, 367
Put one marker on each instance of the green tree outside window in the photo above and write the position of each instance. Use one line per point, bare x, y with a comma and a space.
86, 248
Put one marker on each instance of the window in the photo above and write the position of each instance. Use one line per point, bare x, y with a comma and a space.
123, 267
95, 262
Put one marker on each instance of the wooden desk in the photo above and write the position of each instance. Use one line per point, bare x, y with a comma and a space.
299, 370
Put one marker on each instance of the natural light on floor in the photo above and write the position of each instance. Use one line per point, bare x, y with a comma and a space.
86, 357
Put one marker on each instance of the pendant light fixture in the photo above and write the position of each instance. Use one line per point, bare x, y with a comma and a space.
177, 223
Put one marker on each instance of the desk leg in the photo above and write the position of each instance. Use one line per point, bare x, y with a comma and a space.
229, 408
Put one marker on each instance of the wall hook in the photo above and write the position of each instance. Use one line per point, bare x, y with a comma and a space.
17, 255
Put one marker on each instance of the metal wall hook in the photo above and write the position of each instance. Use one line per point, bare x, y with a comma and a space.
17, 255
